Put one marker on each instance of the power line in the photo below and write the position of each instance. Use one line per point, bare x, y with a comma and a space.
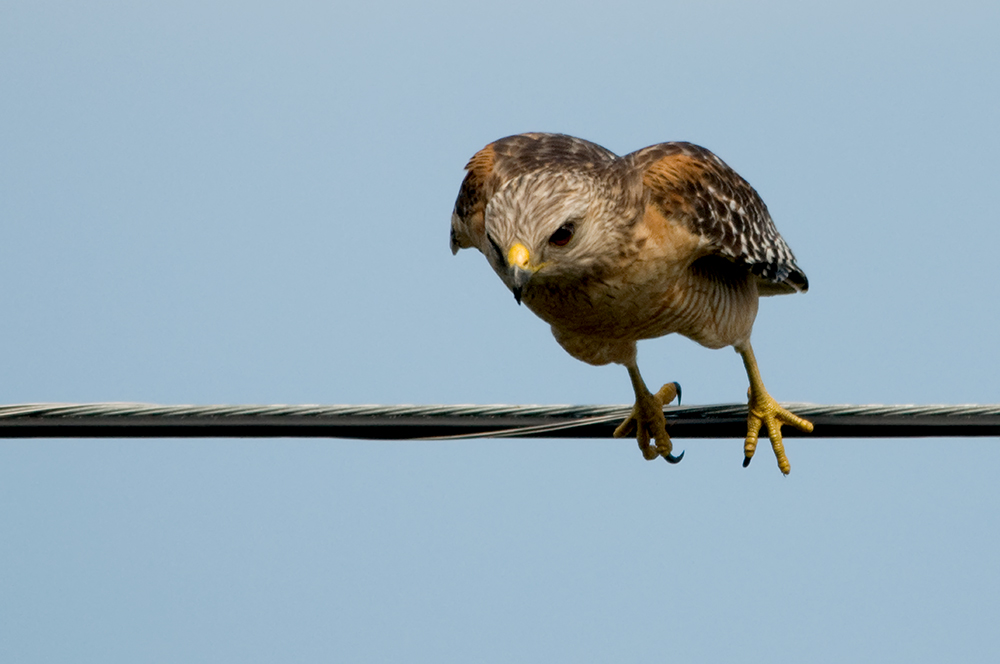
131, 420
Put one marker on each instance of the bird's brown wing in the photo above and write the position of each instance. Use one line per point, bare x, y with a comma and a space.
505, 159
690, 184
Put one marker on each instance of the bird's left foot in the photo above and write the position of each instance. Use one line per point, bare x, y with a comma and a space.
648, 423
764, 410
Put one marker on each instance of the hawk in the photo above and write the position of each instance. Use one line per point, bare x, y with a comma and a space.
609, 250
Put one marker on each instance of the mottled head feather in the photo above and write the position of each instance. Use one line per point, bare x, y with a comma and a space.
530, 208
503, 160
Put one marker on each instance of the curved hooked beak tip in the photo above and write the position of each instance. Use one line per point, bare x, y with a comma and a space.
518, 259
519, 277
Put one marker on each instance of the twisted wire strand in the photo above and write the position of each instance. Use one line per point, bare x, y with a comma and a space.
457, 422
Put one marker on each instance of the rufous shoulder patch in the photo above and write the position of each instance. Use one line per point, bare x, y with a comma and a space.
481, 164
673, 171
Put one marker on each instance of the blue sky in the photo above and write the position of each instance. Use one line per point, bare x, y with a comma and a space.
218, 203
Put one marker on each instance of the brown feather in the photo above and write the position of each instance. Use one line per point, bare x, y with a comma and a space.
692, 184
503, 160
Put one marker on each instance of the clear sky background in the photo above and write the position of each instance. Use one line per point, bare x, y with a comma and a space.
207, 202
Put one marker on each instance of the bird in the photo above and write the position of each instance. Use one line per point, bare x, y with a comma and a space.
612, 250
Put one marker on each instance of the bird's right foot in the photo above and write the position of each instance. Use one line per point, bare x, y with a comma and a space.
648, 423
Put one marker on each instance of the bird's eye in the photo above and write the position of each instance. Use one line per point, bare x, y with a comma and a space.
563, 234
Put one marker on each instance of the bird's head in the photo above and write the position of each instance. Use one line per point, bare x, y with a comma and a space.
548, 226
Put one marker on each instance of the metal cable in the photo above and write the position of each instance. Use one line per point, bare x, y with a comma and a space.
135, 420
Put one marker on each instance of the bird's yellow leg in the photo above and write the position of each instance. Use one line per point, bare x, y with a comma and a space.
764, 410
647, 420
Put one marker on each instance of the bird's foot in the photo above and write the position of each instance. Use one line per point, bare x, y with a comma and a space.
764, 410
647, 422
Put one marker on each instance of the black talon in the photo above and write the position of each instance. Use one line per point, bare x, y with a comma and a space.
674, 459
678, 386
746, 461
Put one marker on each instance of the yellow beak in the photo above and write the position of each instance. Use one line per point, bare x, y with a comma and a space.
518, 256
518, 260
